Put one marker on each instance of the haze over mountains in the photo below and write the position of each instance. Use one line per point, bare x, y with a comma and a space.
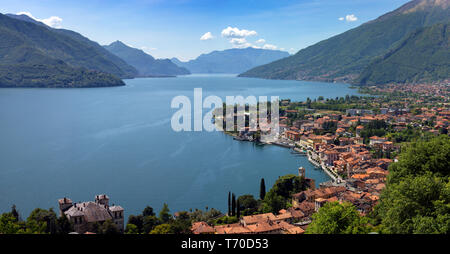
344, 57
231, 60
146, 65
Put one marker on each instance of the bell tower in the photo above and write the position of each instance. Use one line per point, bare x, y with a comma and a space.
301, 172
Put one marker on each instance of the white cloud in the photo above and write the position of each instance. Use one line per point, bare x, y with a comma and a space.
207, 36
238, 39
240, 43
269, 46
53, 21
349, 18
234, 32
260, 41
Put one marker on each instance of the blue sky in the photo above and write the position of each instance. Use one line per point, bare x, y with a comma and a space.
173, 28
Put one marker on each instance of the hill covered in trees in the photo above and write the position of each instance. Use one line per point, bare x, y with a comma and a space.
344, 57
415, 201
33, 55
423, 56
68, 46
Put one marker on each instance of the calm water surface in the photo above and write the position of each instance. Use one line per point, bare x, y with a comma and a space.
118, 141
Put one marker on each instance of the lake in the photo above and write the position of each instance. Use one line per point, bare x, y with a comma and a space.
82, 142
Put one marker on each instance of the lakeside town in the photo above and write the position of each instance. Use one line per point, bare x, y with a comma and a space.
353, 139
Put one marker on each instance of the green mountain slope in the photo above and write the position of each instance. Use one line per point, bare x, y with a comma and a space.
71, 47
423, 56
345, 56
23, 64
145, 63
231, 60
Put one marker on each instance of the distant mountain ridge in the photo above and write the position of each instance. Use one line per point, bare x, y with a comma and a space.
344, 57
74, 49
231, 60
145, 63
32, 55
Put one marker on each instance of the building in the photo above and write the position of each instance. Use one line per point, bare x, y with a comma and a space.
292, 135
377, 140
85, 214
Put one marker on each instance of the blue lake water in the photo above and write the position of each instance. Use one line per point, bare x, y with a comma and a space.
81, 142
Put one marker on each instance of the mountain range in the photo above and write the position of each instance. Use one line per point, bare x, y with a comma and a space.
33, 55
146, 65
343, 58
73, 48
231, 60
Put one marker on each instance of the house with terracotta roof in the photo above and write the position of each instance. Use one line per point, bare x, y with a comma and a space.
377, 140
202, 227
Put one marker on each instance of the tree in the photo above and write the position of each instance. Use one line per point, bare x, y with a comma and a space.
287, 185
238, 210
148, 211
182, 224
247, 204
14, 212
9, 224
63, 225
336, 218
162, 229
417, 194
109, 228
273, 203
45, 216
233, 205
229, 203
138, 221
164, 214
149, 223
262, 189
131, 229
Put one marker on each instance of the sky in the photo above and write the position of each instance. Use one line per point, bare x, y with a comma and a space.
187, 28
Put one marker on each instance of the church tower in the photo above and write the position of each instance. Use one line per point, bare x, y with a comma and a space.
301, 172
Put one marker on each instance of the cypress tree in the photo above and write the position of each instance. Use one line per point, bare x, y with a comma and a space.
229, 203
233, 205
262, 189
238, 211
14, 212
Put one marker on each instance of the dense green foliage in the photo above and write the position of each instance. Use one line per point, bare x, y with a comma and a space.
247, 205
336, 218
146, 65
423, 56
417, 194
279, 196
345, 56
40, 221
148, 223
231, 60
373, 128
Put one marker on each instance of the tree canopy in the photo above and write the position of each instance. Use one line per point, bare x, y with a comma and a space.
417, 194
